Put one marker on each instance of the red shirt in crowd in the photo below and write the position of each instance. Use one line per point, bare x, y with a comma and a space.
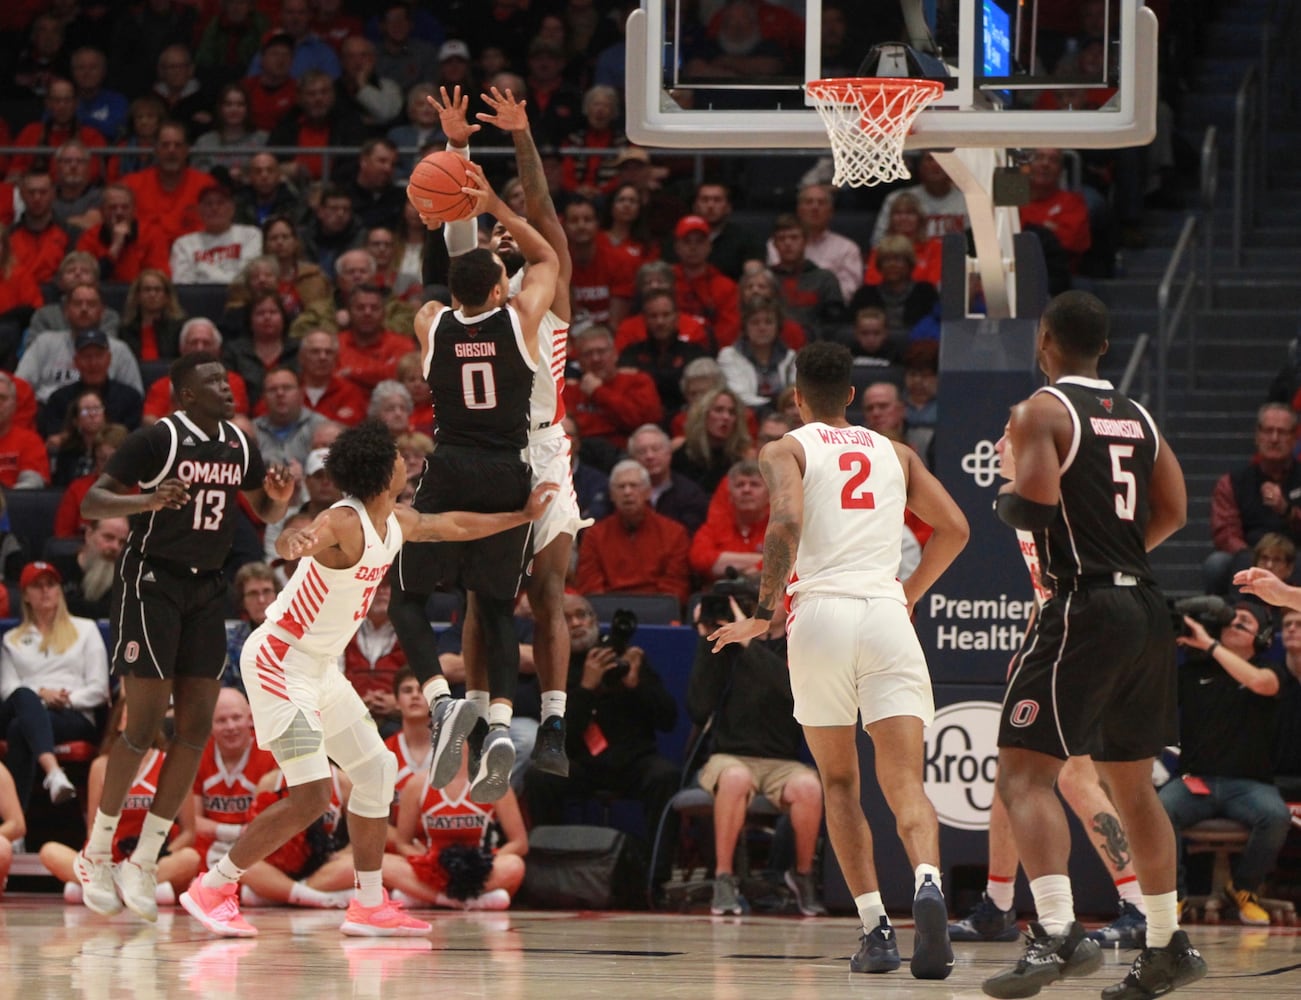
158, 398
651, 558
370, 364
712, 298
267, 105
633, 331
44, 134
625, 402
723, 534
22, 450
163, 213
593, 284
1066, 216
146, 250
341, 401
39, 254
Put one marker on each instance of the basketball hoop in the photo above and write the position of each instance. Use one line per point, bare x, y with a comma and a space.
868, 119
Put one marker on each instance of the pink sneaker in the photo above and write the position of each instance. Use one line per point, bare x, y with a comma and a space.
217, 909
385, 920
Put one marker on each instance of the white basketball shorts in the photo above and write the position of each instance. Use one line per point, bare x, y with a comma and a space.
549, 457
852, 656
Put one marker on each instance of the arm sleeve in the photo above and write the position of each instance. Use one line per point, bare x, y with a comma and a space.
461, 236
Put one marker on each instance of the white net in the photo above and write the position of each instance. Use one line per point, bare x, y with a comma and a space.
868, 120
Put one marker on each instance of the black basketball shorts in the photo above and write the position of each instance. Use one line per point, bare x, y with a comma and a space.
168, 622
470, 480
1097, 677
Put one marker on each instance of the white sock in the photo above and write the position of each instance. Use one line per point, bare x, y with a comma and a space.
164, 894
249, 898
1053, 902
1128, 890
436, 687
1001, 891
1162, 918
99, 847
223, 873
500, 713
370, 888
919, 876
870, 910
153, 832
554, 703
302, 894
479, 700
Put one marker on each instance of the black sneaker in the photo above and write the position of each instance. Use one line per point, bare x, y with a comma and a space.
932, 953
1129, 930
986, 922
450, 722
474, 745
1157, 971
878, 951
548, 754
1047, 958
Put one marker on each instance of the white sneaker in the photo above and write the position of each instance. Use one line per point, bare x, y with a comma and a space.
137, 885
60, 788
98, 887
497, 899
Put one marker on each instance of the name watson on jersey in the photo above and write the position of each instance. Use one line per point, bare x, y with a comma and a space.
996, 636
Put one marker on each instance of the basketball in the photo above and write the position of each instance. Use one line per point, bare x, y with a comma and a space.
435, 187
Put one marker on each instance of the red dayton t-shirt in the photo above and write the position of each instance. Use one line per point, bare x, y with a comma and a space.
20, 450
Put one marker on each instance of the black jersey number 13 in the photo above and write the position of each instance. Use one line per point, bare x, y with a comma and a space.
208, 508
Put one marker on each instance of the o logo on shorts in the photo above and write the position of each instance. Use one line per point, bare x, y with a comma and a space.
132, 652
1023, 714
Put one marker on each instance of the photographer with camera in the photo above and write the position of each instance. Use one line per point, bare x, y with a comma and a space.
616, 704
754, 743
1228, 703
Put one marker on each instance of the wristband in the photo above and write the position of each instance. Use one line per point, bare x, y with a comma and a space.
763, 614
1210, 650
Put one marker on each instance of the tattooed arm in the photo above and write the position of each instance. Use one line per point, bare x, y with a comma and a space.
510, 115
782, 464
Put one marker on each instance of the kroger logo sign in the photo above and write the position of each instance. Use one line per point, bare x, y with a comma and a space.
961, 762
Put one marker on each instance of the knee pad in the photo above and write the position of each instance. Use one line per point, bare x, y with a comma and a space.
373, 781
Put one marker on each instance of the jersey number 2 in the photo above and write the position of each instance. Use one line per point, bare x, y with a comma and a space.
208, 507
852, 496
1127, 496
478, 386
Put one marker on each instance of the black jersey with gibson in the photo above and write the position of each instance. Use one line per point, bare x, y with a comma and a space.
200, 534
1101, 524
481, 377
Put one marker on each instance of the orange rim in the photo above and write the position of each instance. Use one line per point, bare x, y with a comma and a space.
846, 90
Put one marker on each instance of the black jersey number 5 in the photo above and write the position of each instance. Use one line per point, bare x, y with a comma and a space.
208, 508
1127, 496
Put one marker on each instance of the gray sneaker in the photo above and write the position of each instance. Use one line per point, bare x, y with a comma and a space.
806, 893
450, 722
492, 779
727, 896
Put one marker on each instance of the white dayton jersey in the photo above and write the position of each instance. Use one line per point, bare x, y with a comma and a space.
320, 608
854, 500
547, 405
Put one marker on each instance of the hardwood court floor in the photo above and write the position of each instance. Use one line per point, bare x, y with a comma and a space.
50, 950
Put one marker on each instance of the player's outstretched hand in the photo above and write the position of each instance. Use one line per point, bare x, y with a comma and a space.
1260, 582
485, 198
540, 499
279, 483
742, 631
452, 115
509, 115
299, 540
171, 494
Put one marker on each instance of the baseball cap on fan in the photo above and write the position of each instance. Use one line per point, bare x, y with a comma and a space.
277, 36
33, 571
453, 49
690, 224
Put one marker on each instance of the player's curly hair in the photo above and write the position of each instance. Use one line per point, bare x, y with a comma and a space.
361, 460
822, 374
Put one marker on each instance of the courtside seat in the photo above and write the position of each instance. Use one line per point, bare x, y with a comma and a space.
73, 752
